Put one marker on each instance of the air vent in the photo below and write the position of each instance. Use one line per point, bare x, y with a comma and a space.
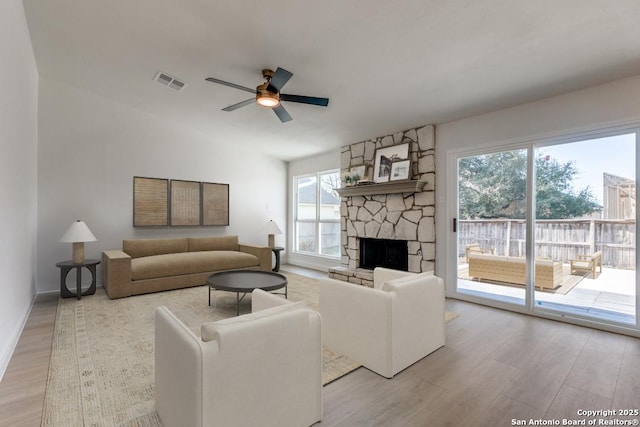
166, 80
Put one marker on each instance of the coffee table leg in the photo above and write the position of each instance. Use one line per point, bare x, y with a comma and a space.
238, 303
209, 296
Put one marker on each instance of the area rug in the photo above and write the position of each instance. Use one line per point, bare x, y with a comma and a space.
101, 366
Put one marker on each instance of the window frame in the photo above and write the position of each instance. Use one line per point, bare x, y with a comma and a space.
317, 221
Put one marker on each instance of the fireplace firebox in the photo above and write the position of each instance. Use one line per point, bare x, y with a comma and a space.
384, 253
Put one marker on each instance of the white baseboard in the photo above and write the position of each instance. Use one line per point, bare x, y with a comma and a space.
7, 352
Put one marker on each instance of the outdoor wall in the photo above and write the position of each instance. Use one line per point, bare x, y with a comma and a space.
18, 175
613, 104
90, 149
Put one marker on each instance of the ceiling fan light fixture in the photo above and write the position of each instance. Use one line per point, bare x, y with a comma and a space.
266, 98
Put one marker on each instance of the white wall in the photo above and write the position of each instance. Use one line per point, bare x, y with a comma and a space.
18, 174
318, 163
612, 104
89, 150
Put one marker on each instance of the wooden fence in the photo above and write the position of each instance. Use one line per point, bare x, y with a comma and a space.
560, 240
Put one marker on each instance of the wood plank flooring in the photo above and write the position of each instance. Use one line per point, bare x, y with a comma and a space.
496, 366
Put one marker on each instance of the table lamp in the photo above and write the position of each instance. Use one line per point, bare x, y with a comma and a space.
272, 229
78, 233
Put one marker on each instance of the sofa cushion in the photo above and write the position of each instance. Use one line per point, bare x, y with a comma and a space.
148, 247
224, 243
165, 265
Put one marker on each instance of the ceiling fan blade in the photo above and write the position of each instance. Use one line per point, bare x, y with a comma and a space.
282, 114
279, 79
240, 104
322, 102
222, 82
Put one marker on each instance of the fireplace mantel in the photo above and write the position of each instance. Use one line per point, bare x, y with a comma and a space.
405, 186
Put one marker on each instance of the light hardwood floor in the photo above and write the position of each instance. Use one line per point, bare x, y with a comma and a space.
497, 366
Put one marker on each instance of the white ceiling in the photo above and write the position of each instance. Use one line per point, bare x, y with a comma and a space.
385, 65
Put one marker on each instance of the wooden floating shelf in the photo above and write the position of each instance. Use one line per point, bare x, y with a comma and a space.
408, 186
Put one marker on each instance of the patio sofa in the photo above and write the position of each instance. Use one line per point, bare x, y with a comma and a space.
151, 265
512, 270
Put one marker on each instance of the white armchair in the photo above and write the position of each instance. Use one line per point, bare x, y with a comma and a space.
388, 327
263, 368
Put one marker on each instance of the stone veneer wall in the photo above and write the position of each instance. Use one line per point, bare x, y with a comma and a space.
403, 216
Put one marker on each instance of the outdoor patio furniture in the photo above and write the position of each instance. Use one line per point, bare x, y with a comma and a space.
474, 248
587, 263
512, 270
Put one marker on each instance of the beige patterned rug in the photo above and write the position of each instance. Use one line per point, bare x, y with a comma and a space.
101, 367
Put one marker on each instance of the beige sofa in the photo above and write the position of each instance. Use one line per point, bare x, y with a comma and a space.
151, 265
512, 270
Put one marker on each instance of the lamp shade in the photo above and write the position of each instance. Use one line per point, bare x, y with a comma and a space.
78, 232
272, 228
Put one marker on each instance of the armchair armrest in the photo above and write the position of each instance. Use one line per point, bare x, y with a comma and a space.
418, 319
382, 275
116, 273
356, 322
262, 252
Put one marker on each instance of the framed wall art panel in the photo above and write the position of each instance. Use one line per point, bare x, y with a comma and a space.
150, 202
215, 204
185, 202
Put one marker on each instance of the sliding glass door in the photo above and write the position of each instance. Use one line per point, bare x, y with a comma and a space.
491, 225
585, 231
551, 227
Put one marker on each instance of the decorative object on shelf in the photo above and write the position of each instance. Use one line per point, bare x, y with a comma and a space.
150, 202
272, 229
358, 173
385, 157
400, 170
78, 233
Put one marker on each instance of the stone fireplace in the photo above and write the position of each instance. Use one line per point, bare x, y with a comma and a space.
406, 216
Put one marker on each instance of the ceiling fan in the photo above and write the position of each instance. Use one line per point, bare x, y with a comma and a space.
268, 94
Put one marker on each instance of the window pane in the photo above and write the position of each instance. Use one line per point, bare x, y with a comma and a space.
329, 198
306, 239
306, 188
330, 238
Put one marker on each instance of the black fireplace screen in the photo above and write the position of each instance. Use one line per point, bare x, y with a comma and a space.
384, 253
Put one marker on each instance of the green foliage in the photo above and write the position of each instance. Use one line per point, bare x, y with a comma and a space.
495, 186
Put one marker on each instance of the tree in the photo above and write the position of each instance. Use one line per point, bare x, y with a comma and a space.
495, 186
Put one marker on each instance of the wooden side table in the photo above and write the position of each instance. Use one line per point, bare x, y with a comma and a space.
276, 251
66, 267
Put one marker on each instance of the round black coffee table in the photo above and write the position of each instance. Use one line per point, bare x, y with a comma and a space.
244, 282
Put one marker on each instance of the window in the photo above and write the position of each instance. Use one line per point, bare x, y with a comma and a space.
317, 214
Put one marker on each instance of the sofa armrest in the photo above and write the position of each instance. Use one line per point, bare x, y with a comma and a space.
356, 322
262, 252
116, 273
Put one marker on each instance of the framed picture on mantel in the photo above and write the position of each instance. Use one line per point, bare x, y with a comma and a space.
384, 159
400, 170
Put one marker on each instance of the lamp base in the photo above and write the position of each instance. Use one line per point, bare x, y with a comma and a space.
271, 241
78, 253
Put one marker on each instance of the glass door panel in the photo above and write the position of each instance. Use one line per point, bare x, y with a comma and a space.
585, 229
491, 225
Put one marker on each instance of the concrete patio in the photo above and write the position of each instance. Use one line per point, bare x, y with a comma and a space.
611, 295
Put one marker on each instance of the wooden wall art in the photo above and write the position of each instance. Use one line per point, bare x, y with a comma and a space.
150, 202
185, 202
215, 204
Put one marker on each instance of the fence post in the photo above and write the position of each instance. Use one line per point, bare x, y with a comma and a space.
592, 237
508, 245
